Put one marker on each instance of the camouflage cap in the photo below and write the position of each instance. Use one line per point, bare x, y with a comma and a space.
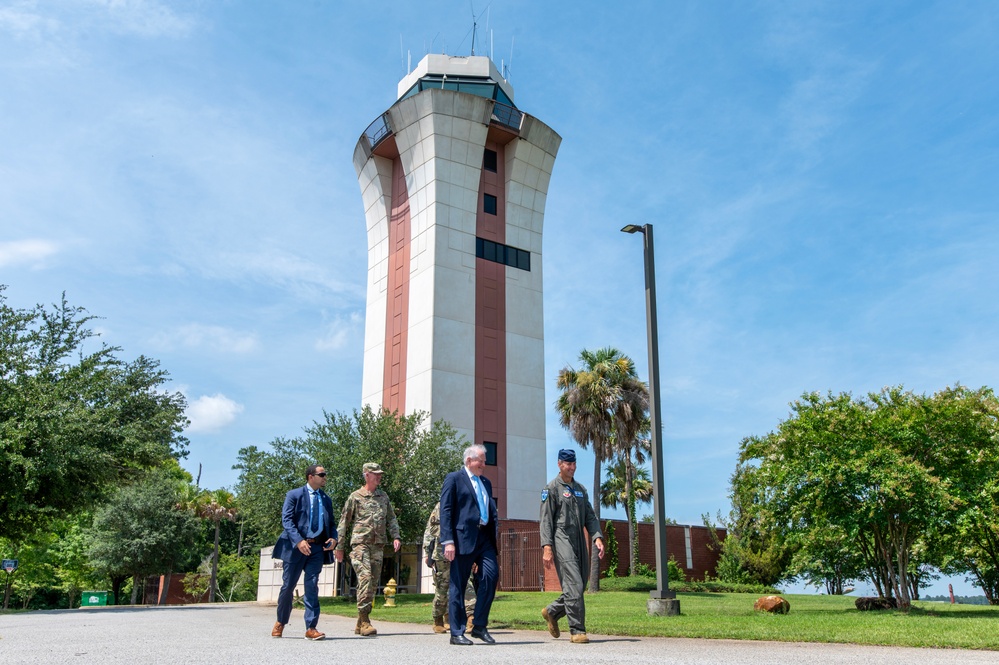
372, 467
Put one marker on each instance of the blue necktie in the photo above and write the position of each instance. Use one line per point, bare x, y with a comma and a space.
483, 512
314, 526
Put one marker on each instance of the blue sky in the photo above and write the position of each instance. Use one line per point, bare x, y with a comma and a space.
822, 177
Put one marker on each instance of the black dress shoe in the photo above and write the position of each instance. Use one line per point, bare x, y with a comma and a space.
462, 640
483, 634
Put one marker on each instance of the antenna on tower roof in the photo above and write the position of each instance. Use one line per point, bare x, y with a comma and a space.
508, 69
475, 23
474, 26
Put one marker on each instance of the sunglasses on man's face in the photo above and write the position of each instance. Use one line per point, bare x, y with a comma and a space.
321, 475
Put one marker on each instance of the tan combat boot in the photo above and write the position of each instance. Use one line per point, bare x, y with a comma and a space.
552, 623
470, 623
364, 627
579, 638
439, 625
357, 628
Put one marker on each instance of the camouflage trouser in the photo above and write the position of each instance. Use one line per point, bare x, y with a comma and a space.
367, 563
442, 583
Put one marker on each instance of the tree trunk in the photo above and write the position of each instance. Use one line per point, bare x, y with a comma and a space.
165, 590
215, 565
594, 557
135, 589
116, 584
629, 492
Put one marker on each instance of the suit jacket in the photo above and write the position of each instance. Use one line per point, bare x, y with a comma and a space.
460, 512
295, 519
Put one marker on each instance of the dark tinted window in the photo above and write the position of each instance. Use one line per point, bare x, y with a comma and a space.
508, 256
489, 160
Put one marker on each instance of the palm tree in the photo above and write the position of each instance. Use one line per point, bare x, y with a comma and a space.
600, 404
627, 485
214, 506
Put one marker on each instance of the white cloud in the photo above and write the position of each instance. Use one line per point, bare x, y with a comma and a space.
214, 338
20, 20
210, 413
338, 332
147, 18
20, 252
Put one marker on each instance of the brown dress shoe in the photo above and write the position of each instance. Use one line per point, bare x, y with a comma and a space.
552, 623
579, 638
314, 635
277, 630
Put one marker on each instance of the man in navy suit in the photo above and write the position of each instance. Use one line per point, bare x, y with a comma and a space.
469, 532
306, 544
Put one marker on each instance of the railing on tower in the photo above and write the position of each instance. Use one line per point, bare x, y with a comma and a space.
378, 130
507, 115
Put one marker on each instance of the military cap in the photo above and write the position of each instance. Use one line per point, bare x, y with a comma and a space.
373, 467
567, 455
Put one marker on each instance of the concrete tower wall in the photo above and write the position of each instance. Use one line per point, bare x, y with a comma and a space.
447, 332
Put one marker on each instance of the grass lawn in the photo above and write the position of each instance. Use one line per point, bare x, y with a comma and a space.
730, 616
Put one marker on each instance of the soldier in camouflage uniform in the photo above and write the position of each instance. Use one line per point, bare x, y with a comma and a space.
565, 511
370, 513
442, 573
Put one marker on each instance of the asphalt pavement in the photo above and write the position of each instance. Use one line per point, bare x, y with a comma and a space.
240, 633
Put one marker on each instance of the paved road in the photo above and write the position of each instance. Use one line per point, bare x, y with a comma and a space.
240, 633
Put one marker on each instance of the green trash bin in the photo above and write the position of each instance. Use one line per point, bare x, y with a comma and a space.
94, 598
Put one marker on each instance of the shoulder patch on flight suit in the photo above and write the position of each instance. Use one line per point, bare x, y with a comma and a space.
544, 495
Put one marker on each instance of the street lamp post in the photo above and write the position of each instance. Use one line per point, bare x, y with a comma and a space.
662, 601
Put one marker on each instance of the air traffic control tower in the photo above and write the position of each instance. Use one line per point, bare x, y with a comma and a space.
454, 179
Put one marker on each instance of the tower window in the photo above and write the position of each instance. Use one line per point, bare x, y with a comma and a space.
489, 160
508, 256
490, 452
489, 204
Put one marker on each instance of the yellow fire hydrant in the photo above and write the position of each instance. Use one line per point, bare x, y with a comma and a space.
390, 593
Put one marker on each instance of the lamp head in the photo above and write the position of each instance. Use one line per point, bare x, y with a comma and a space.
633, 228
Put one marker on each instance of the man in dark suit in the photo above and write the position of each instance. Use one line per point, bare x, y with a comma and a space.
469, 532
306, 544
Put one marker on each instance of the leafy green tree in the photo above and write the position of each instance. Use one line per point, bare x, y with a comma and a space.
265, 476
36, 570
415, 459
603, 406
214, 506
887, 472
610, 542
236, 578
627, 485
973, 547
827, 558
141, 532
75, 422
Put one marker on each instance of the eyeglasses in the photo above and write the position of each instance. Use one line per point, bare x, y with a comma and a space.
321, 475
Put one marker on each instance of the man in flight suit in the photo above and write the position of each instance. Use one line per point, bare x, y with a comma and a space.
565, 512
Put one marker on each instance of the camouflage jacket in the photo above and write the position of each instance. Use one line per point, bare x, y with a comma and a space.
371, 514
432, 535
